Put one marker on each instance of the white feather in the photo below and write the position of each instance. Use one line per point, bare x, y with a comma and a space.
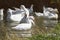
24, 26
1, 14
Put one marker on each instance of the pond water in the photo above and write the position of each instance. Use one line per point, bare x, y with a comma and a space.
27, 33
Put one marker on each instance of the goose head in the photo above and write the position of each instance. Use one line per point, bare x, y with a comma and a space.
22, 7
32, 5
26, 10
44, 9
31, 8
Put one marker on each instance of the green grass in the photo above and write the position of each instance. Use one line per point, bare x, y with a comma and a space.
54, 35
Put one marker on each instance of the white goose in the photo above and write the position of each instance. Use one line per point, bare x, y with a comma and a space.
1, 14
24, 26
15, 17
50, 13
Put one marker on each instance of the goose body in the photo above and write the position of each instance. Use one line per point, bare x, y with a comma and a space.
1, 14
53, 16
39, 14
24, 26
15, 17
50, 13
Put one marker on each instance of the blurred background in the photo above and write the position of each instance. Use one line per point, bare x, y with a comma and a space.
38, 4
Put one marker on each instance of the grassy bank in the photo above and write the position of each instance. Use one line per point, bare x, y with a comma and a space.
53, 35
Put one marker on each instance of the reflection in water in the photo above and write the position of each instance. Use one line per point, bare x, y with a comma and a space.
19, 33
22, 33
50, 23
